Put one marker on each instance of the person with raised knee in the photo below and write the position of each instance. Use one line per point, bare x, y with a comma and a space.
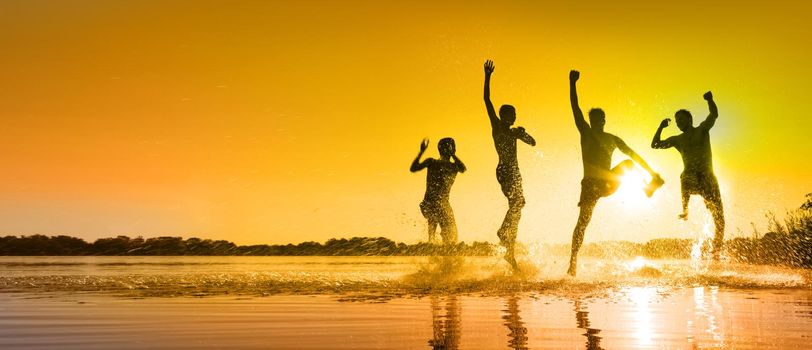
600, 178
697, 176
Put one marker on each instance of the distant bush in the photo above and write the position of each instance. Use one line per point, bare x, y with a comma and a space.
123, 245
788, 242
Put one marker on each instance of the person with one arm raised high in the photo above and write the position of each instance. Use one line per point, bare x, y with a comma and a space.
600, 178
507, 171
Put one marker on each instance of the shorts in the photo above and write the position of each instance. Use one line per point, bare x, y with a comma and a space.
439, 212
701, 183
593, 189
510, 180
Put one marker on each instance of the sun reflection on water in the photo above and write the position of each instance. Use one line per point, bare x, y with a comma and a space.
706, 313
642, 297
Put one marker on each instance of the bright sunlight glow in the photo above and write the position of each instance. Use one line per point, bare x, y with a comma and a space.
637, 264
631, 188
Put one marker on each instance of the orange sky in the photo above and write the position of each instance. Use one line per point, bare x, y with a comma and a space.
276, 122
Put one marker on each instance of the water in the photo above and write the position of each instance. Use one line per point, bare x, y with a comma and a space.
397, 302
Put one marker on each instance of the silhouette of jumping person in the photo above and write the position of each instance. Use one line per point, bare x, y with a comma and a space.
507, 171
599, 179
439, 179
697, 176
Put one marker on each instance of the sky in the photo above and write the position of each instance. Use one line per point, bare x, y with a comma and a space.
290, 121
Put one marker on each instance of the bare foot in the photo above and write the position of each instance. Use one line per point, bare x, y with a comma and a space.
656, 182
683, 216
573, 267
511, 259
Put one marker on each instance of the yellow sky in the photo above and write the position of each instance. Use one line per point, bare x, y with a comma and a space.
276, 122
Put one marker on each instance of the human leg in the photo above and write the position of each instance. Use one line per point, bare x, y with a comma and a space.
430, 213
612, 183
686, 185
511, 184
510, 227
431, 229
686, 197
713, 201
584, 216
510, 224
448, 225
621, 168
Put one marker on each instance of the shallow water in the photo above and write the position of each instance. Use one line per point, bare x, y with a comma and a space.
397, 302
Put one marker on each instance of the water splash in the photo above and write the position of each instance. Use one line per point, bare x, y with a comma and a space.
381, 276
703, 242
636, 264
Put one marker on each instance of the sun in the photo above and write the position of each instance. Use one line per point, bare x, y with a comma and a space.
631, 192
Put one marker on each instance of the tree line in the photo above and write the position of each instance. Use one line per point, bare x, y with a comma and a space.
124, 245
788, 242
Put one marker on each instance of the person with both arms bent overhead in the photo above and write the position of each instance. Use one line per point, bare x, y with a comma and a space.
507, 171
697, 159
442, 172
599, 179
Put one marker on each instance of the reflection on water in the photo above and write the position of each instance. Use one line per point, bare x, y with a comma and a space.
706, 309
445, 322
593, 340
513, 321
385, 303
642, 297
679, 319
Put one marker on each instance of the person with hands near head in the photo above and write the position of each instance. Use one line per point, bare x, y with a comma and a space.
441, 173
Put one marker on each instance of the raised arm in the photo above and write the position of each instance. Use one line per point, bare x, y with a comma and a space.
623, 147
714, 112
521, 134
656, 142
416, 164
488, 104
580, 122
460, 165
